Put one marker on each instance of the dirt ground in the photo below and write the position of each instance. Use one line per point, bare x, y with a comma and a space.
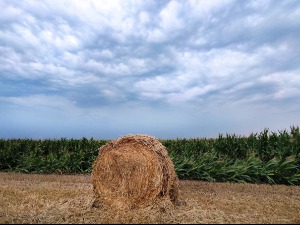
68, 199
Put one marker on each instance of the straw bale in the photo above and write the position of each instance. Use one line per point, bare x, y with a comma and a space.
133, 171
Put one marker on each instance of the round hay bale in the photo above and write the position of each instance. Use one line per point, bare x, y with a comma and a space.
133, 171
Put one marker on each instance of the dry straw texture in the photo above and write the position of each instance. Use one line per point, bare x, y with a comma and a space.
67, 199
132, 172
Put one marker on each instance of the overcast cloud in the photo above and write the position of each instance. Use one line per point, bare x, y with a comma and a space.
103, 69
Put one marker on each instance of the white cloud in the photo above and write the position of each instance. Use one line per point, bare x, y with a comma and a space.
40, 101
144, 18
288, 84
170, 18
283, 78
200, 8
10, 13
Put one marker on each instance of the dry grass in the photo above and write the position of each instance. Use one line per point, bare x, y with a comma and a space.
68, 199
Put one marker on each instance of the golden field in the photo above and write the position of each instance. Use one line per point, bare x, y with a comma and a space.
68, 199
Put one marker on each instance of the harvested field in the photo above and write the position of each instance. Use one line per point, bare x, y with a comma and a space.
68, 199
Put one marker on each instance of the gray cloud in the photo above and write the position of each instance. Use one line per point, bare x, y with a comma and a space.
151, 56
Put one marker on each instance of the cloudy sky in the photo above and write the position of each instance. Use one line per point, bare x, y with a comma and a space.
171, 69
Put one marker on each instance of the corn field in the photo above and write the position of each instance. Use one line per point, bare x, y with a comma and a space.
265, 157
